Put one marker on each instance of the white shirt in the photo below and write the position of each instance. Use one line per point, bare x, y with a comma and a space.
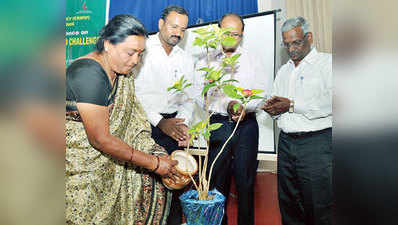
158, 72
249, 72
310, 86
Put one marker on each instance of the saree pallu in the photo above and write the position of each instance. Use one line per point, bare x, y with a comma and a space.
103, 190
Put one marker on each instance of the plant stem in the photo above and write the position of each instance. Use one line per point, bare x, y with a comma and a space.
200, 171
194, 183
222, 149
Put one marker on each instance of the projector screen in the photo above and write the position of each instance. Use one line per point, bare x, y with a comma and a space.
259, 40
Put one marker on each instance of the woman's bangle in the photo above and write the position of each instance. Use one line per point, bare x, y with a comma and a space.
158, 163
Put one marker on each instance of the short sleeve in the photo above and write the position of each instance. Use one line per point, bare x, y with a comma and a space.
87, 82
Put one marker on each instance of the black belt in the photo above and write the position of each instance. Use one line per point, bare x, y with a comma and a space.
306, 134
250, 115
169, 115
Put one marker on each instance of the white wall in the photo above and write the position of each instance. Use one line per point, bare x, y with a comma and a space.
267, 5
268, 162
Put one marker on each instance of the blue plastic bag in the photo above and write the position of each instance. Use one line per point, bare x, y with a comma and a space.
201, 212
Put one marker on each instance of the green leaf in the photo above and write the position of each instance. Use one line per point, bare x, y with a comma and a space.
257, 91
226, 30
206, 69
230, 91
228, 41
218, 74
213, 44
204, 124
216, 29
230, 80
214, 126
255, 97
209, 37
222, 75
206, 135
201, 30
192, 131
207, 87
235, 57
198, 42
191, 139
187, 85
235, 107
213, 75
197, 126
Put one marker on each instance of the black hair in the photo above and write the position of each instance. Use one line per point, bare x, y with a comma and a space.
232, 14
173, 8
118, 28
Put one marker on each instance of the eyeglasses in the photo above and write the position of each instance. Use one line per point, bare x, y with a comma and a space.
176, 27
233, 34
295, 44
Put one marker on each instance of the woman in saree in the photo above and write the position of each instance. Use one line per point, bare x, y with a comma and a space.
111, 160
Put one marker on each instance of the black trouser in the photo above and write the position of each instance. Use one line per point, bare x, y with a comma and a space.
305, 178
239, 159
162, 139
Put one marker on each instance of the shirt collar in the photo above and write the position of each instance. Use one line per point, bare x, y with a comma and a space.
156, 41
309, 58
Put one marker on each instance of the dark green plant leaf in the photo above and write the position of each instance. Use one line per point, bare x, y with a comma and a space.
235, 107
235, 57
192, 131
226, 30
203, 30
214, 126
257, 91
218, 74
255, 97
191, 139
198, 42
207, 87
213, 75
230, 91
209, 37
213, 44
228, 41
229, 81
206, 69
206, 135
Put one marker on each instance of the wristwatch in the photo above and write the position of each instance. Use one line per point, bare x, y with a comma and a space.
291, 106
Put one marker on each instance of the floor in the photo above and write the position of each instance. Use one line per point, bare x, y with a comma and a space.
266, 201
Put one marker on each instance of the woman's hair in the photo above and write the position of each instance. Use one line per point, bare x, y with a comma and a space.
118, 28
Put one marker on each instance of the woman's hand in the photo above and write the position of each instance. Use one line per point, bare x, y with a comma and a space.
166, 167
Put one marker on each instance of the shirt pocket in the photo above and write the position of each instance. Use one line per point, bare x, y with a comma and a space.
309, 86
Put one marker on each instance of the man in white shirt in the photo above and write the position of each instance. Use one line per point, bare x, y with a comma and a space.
165, 63
239, 158
302, 106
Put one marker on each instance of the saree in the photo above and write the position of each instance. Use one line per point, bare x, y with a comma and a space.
103, 190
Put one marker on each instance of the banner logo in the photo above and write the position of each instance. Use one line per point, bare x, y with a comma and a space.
84, 8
